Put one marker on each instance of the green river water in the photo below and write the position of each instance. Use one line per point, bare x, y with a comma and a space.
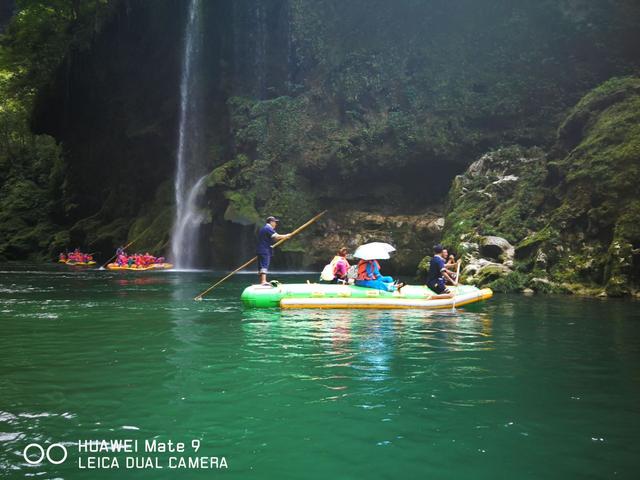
516, 387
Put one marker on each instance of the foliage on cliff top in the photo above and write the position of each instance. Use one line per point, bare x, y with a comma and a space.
42, 32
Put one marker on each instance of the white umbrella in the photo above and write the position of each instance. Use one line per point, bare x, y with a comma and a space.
388, 248
374, 251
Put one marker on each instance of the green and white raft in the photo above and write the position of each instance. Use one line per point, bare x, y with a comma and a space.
319, 295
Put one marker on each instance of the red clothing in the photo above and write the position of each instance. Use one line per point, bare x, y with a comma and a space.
341, 267
365, 273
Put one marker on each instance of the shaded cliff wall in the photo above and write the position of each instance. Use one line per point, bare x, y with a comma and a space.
385, 102
357, 106
114, 108
571, 214
6, 12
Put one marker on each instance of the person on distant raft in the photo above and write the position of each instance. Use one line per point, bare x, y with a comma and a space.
438, 274
267, 236
62, 257
369, 276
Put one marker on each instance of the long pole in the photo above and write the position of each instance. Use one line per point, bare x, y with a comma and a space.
198, 297
455, 284
458, 272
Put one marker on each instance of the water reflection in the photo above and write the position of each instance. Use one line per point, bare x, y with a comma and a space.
361, 351
554, 378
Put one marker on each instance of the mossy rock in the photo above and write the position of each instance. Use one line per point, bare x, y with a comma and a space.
500, 282
490, 273
241, 208
574, 214
533, 242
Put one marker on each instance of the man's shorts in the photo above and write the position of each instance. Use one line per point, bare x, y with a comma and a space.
263, 263
437, 286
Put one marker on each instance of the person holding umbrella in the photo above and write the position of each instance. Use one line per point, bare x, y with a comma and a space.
369, 275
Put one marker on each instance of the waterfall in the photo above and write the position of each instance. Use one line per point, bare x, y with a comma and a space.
261, 48
189, 158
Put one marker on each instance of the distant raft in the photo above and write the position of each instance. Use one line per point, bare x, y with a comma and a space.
317, 295
72, 263
140, 268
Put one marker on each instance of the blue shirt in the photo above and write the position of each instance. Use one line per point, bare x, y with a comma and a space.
372, 269
265, 240
435, 268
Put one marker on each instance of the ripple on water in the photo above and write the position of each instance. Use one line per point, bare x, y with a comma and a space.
436, 387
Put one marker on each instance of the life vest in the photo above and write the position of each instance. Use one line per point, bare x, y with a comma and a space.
362, 269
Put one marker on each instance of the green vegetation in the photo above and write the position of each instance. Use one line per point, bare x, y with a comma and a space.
573, 216
362, 106
32, 166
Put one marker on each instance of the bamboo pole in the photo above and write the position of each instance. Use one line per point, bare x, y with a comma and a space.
458, 272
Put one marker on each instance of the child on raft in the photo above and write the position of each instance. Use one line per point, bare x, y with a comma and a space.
369, 276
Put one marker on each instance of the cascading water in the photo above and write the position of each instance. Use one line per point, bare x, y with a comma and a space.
190, 168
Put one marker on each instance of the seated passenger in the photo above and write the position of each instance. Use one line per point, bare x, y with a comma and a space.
341, 266
438, 272
451, 266
336, 270
369, 276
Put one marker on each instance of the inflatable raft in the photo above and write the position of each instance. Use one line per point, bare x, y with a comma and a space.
135, 268
71, 263
315, 295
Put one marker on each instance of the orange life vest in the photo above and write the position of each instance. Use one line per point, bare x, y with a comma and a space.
362, 269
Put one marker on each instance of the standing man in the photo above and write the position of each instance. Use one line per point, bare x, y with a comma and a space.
438, 272
267, 236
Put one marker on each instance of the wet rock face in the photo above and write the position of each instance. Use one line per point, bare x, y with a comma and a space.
411, 235
364, 106
567, 220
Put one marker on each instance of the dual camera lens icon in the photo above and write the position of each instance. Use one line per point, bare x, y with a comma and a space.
33, 449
